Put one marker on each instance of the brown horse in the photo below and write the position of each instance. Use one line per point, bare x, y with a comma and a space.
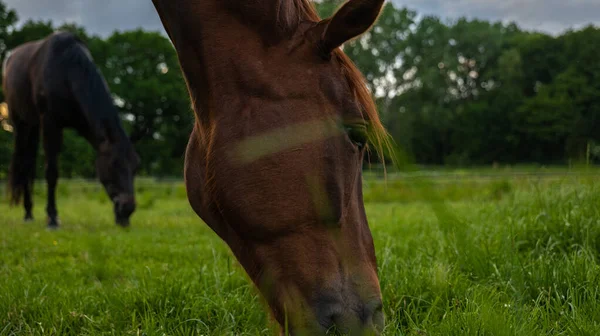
273, 165
52, 84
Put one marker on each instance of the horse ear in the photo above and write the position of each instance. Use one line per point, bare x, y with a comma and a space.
353, 19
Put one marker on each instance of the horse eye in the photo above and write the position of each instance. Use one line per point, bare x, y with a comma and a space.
357, 134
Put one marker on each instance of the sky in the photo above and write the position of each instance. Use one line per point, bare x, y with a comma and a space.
102, 17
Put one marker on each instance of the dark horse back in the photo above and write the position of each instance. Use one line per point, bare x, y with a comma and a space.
69, 84
57, 74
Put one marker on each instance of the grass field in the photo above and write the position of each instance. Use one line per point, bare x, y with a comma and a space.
509, 255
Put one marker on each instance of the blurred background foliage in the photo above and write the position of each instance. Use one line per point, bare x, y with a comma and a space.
455, 93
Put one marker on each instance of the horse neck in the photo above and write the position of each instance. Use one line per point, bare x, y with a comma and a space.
104, 128
97, 123
102, 118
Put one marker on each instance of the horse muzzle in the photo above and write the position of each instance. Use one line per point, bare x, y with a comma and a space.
124, 206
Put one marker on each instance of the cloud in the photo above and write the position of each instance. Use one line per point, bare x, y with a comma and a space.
551, 16
100, 17
104, 16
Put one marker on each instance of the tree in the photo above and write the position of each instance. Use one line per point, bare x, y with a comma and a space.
30, 31
8, 18
142, 70
563, 117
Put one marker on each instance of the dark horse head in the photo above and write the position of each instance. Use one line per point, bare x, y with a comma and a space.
52, 84
273, 165
116, 165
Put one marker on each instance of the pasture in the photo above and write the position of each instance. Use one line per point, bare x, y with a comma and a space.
458, 254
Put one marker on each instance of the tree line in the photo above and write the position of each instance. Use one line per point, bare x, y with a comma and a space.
451, 92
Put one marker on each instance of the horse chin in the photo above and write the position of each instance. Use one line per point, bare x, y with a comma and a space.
123, 222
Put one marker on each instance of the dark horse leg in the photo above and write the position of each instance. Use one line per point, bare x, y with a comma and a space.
23, 166
52, 146
28, 191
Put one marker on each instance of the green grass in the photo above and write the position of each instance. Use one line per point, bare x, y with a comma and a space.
503, 256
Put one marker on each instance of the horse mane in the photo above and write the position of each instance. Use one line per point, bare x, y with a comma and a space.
378, 136
89, 87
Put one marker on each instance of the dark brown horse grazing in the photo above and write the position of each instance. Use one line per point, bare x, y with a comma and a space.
273, 165
51, 84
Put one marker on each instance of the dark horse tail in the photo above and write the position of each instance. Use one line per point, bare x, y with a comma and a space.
21, 173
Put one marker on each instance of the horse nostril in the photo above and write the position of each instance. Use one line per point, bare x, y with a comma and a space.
374, 314
376, 306
328, 311
329, 320
347, 316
